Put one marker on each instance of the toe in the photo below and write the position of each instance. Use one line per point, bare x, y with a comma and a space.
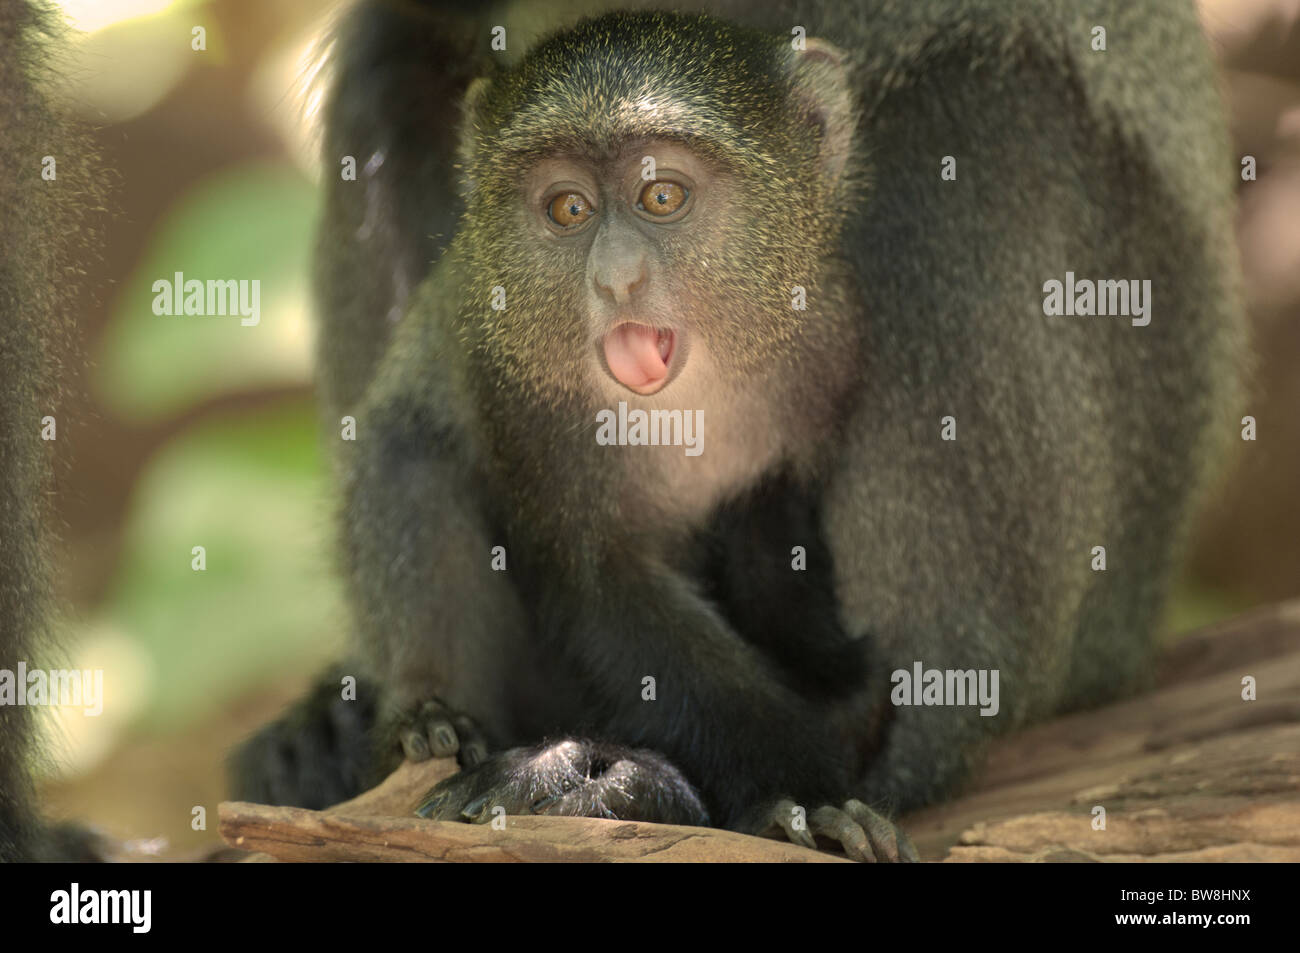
888, 842
832, 823
790, 818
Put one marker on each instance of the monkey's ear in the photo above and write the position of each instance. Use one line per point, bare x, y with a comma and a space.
823, 92
469, 119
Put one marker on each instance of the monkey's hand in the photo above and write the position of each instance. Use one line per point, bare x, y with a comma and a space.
429, 729
865, 835
570, 778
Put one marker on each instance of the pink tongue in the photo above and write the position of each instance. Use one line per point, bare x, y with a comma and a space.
632, 353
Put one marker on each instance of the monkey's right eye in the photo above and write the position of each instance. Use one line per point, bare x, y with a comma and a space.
570, 209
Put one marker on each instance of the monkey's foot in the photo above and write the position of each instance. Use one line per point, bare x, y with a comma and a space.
316, 754
570, 778
430, 729
865, 835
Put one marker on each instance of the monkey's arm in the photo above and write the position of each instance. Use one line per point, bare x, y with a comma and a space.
723, 710
761, 754
398, 74
739, 723
765, 564
735, 711
433, 625
433, 617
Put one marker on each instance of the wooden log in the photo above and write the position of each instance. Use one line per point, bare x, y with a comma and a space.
1187, 772
1190, 771
293, 834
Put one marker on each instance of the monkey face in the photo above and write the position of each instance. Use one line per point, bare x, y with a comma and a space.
654, 231
626, 269
636, 223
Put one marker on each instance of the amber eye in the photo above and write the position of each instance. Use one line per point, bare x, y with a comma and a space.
570, 209
662, 198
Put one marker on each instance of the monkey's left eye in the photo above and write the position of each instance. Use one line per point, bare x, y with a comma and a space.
662, 198
570, 209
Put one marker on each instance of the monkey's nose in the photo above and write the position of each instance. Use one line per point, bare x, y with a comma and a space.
622, 288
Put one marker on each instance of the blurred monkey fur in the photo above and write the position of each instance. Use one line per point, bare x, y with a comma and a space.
779, 166
655, 649
47, 232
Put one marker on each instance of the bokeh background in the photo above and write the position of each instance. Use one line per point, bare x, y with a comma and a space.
198, 431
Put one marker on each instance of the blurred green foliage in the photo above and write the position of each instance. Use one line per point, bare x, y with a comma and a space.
253, 493
251, 222
251, 488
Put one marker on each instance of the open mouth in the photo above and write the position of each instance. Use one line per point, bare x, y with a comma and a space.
640, 357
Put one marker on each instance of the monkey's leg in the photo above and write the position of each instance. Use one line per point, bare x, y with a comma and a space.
970, 580
318, 753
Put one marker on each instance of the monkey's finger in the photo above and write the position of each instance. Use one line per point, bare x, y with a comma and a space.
832, 823
415, 745
783, 815
888, 842
443, 742
473, 744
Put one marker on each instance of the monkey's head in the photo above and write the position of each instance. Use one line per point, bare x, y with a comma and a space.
646, 194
